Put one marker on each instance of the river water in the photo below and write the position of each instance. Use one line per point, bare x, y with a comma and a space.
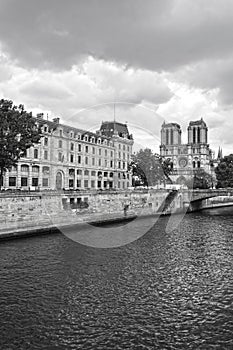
166, 290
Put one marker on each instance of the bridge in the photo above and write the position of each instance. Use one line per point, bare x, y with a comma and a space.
198, 194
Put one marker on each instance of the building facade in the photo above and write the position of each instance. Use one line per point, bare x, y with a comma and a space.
189, 158
71, 158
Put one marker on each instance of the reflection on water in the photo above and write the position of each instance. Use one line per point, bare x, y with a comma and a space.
167, 290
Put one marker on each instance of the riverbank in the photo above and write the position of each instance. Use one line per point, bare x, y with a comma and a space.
25, 215
35, 213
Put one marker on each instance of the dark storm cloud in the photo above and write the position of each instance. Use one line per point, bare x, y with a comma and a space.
156, 35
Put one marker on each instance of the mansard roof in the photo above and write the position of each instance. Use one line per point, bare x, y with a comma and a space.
55, 123
109, 128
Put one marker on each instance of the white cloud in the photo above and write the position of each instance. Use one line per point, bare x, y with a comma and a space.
157, 59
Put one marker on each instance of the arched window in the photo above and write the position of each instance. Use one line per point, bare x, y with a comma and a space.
167, 137
198, 135
198, 164
171, 136
35, 169
36, 153
24, 168
194, 135
194, 164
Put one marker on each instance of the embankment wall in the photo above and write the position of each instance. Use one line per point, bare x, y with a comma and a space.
35, 212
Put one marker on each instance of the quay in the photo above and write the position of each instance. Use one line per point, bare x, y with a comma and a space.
32, 213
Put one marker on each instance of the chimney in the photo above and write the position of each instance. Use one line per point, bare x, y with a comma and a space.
56, 120
40, 116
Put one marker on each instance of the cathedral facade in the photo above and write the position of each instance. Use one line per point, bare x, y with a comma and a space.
190, 158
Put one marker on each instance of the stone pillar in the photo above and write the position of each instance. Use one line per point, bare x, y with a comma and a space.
30, 176
66, 178
89, 179
75, 178
190, 135
18, 179
40, 177
6, 179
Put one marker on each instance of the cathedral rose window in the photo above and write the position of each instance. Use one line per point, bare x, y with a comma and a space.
183, 162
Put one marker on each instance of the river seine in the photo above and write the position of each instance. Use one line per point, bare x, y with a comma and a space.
166, 290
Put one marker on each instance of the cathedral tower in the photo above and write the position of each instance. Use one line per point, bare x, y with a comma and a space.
170, 138
197, 132
170, 134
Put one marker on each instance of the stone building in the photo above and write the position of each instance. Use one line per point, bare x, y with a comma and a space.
189, 158
72, 158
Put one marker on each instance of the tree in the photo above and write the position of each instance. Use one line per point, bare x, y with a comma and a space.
18, 132
201, 180
148, 168
224, 172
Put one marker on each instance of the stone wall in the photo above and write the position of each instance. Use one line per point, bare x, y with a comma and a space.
26, 212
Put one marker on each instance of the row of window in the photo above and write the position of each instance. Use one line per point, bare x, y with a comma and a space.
45, 182
35, 169
196, 164
36, 152
98, 173
124, 147
93, 183
24, 181
88, 138
87, 172
101, 162
94, 161
184, 151
86, 148
46, 170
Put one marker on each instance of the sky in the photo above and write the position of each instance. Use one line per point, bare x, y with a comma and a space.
154, 60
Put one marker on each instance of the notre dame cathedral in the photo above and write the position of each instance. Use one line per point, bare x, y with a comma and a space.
189, 158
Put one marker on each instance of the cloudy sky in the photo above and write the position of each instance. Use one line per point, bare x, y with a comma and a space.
157, 59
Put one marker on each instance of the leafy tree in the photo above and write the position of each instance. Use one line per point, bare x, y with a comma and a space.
224, 172
148, 168
201, 180
18, 132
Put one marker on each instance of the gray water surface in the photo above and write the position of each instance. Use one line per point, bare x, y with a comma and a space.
167, 290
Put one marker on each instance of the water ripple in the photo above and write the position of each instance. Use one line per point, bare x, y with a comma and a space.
165, 291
